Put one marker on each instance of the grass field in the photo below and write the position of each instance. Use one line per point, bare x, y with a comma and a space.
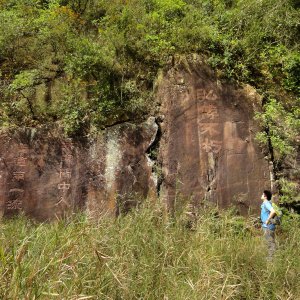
147, 255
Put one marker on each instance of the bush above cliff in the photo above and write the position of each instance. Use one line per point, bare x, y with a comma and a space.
114, 49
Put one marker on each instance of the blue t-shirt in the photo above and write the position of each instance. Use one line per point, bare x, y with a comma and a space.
266, 208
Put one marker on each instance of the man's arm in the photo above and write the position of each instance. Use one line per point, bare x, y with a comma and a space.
271, 215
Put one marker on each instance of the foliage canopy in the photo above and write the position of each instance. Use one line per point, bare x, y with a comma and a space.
114, 49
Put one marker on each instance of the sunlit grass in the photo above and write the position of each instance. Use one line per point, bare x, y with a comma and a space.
147, 255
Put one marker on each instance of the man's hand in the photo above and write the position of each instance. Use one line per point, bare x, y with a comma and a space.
272, 214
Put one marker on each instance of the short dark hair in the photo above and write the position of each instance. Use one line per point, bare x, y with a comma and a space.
268, 194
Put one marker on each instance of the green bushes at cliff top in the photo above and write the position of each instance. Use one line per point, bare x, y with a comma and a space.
114, 49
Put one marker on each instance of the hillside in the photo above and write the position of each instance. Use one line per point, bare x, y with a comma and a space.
107, 57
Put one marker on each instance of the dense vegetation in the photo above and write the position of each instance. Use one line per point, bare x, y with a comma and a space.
146, 255
104, 57
112, 50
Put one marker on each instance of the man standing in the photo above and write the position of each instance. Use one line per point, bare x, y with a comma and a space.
267, 213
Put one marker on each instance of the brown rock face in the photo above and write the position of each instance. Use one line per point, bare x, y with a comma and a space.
208, 150
120, 170
40, 174
47, 176
204, 150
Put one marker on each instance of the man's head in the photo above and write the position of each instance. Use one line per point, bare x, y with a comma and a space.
267, 195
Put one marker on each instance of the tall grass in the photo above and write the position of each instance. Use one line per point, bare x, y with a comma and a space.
146, 255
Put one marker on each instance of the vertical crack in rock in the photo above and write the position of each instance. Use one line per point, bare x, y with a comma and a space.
274, 167
211, 175
152, 157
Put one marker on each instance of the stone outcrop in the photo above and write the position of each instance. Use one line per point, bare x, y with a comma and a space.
208, 151
41, 174
120, 169
200, 147
47, 176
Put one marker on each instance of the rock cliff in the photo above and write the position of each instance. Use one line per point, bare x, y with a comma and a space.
199, 147
208, 150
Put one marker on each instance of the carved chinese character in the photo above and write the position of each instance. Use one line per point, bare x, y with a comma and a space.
63, 186
16, 191
23, 149
209, 111
211, 129
18, 175
65, 150
207, 108
211, 96
200, 94
212, 146
62, 201
21, 161
213, 114
14, 204
64, 173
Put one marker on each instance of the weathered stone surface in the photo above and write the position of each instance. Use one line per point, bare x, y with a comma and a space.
208, 150
42, 175
120, 170
203, 150
47, 176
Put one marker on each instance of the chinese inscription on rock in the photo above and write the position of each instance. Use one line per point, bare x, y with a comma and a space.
15, 201
65, 173
208, 121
